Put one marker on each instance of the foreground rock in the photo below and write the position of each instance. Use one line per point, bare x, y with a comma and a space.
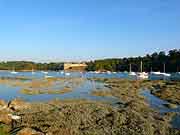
169, 91
5, 118
3, 104
81, 117
18, 104
29, 131
171, 106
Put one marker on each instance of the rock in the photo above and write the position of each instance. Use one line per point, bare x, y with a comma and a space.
171, 106
29, 131
5, 118
49, 133
14, 117
18, 104
3, 104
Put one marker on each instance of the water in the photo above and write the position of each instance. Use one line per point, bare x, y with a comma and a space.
8, 92
39, 74
176, 122
84, 90
158, 104
81, 91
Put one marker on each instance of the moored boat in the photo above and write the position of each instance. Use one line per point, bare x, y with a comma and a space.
142, 75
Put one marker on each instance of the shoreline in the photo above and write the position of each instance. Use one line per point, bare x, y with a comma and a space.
82, 116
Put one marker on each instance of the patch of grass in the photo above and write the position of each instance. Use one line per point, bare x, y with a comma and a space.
38, 92
4, 129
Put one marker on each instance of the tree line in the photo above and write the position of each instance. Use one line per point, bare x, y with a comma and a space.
151, 62
28, 65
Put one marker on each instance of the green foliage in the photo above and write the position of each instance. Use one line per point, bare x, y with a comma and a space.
25, 65
3, 130
152, 62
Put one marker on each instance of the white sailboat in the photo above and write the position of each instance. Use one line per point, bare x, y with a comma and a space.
62, 72
165, 74
108, 72
97, 72
44, 72
48, 76
156, 73
13, 71
67, 74
142, 75
32, 71
130, 71
162, 74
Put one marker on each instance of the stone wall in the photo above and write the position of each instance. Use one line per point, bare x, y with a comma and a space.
69, 66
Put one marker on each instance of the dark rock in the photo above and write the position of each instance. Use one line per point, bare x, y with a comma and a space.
18, 104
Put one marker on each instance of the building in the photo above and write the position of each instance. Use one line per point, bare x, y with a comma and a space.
75, 66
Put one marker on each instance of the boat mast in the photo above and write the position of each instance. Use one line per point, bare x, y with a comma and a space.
141, 66
164, 68
13, 69
130, 68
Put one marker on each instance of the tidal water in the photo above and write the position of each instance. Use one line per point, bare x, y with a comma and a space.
84, 90
39, 74
159, 105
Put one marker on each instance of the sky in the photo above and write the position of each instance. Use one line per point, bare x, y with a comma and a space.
77, 30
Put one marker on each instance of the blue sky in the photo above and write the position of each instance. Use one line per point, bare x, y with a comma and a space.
73, 30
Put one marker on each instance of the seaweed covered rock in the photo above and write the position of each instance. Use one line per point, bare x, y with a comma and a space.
29, 131
90, 118
18, 104
3, 104
5, 118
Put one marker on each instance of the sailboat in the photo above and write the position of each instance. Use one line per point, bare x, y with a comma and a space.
32, 71
62, 72
13, 71
67, 74
178, 71
108, 72
161, 75
130, 71
142, 75
165, 74
48, 76
44, 72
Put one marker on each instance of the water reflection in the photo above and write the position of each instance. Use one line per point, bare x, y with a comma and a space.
159, 104
40, 74
81, 89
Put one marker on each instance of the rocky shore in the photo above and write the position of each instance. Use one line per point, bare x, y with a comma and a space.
132, 115
76, 117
